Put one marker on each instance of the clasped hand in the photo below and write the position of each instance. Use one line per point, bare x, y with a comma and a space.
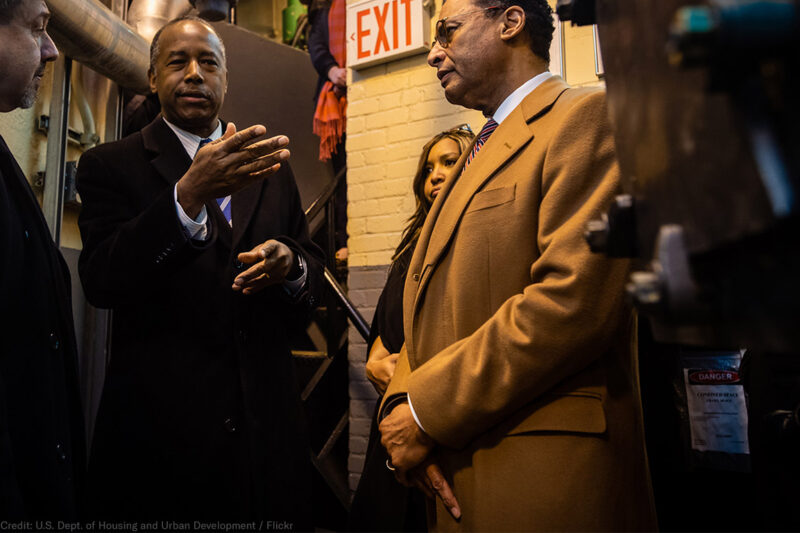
409, 450
230, 164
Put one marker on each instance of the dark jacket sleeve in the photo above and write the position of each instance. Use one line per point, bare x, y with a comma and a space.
126, 249
300, 242
318, 40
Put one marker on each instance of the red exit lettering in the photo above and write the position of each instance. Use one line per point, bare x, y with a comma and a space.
382, 15
361, 33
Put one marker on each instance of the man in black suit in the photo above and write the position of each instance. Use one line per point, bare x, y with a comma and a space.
200, 417
42, 445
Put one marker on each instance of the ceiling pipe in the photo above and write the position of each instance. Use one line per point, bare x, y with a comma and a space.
214, 10
87, 31
146, 17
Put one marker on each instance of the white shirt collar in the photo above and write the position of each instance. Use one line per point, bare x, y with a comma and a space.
190, 141
516, 98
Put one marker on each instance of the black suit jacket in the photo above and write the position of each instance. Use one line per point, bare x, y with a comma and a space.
319, 47
42, 445
200, 415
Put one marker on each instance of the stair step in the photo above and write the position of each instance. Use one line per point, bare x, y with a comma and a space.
310, 354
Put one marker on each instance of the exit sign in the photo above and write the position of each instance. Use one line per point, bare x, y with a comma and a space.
384, 30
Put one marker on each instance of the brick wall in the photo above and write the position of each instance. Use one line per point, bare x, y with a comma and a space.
364, 287
393, 110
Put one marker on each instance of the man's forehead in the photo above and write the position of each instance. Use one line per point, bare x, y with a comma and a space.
178, 38
31, 10
451, 7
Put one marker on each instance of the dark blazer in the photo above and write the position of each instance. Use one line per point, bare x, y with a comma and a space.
200, 417
319, 47
42, 444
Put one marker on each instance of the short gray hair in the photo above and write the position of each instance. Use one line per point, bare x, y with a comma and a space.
155, 49
8, 9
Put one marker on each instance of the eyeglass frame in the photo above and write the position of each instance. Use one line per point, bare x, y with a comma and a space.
461, 127
441, 36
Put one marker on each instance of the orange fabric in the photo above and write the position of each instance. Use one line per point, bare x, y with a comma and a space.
331, 113
337, 20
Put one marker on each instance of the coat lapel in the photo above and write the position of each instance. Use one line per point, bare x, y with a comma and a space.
243, 206
171, 162
442, 223
170, 159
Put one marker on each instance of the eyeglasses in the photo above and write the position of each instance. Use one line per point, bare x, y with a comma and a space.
444, 33
461, 127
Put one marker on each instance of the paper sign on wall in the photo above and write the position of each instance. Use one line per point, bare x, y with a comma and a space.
384, 30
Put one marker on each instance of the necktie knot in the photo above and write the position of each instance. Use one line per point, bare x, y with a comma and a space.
203, 142
483, 136
487, 130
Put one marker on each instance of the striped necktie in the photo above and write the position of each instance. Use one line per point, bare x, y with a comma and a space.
224, 202
483, 136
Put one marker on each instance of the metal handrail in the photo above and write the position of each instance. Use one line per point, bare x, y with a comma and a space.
318, 205
312, 212
352, 313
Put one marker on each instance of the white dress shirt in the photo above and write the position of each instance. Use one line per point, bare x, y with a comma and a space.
197, 228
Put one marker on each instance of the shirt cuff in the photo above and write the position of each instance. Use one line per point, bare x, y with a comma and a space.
414, 414
294, 287
197, 228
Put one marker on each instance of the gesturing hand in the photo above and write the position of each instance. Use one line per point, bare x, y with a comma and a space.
273, 260
229, 164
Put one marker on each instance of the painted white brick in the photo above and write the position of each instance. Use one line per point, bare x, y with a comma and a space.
356, 193
391, 101
369, 207
380, 120
378, 258
385, 224
362, 107
366, 141
421, 76
365, 174
403, 132
400, 187
355, 160
386, 84
356, 226
403, 169
376, 156
355, 125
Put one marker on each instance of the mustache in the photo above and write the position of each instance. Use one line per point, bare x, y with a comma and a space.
40, 70
194, 92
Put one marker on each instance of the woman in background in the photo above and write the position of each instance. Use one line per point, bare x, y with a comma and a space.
380, 502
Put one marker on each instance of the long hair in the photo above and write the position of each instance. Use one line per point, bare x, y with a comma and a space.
463, 136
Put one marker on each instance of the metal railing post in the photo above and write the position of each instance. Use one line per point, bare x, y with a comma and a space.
55, 169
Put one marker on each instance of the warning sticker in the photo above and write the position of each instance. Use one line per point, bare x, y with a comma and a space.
717, 410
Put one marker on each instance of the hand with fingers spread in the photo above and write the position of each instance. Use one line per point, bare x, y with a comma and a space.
429, 478
230, 164
271, 262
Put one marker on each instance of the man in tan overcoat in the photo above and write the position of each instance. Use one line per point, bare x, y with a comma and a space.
515, 399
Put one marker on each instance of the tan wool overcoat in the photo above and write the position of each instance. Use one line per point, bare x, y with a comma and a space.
519, 356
